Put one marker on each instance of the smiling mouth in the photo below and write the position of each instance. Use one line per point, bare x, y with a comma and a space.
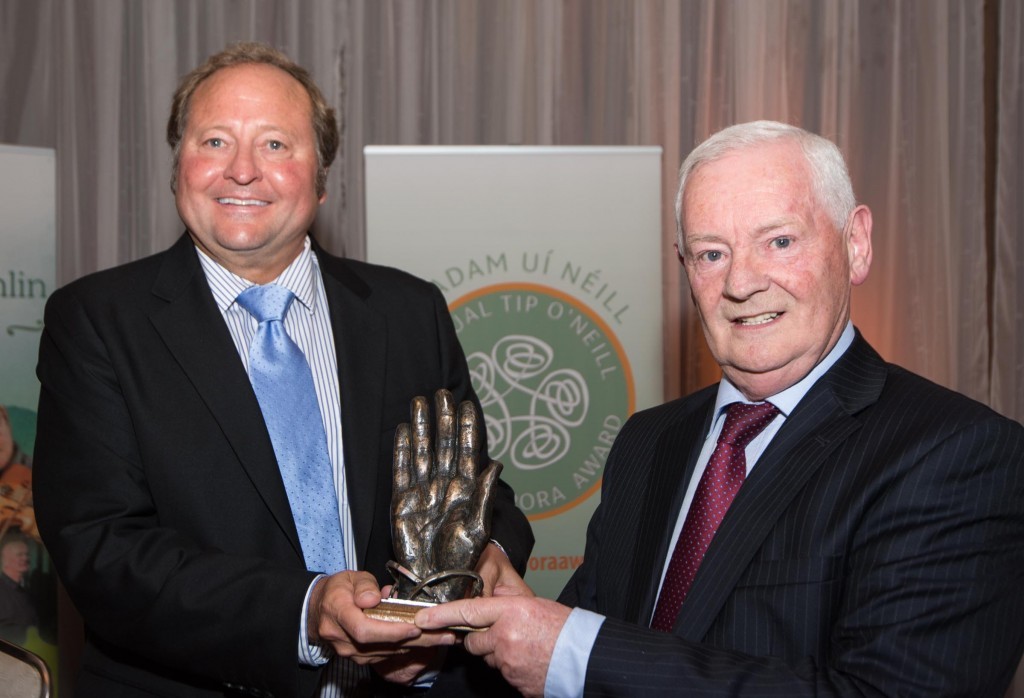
756, 319
241, 202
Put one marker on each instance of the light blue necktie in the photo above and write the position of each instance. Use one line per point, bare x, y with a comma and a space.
284, 388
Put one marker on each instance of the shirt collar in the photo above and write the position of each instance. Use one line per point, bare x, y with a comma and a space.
786, 400
299, 277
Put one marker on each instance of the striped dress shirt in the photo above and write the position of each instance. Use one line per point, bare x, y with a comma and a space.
308, 323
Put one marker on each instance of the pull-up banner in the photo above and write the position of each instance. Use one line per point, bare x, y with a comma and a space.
28, 585
550, 260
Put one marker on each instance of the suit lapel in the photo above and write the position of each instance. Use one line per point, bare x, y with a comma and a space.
674, 461
360, 340
823, 419
193, 329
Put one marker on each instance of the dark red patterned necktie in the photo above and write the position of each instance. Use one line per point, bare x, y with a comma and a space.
718, 486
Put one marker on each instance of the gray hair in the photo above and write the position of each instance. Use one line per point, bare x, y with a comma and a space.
830, 180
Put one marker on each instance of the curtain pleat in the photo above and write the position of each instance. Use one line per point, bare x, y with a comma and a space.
897, 84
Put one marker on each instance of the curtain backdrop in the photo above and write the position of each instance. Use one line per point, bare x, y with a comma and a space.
1008, 293
899, 85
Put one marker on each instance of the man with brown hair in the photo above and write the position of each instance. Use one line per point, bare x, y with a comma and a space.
173, 492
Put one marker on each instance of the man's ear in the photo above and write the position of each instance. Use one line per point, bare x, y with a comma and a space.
858, 244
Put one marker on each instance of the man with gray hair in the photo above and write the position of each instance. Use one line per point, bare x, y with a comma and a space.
820, 522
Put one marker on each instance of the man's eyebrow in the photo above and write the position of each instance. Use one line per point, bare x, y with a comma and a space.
777, 223
701, 237
768, 227
261, 128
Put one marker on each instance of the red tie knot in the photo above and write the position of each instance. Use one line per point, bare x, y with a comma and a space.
744, 421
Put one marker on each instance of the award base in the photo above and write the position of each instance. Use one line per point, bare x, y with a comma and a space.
404, 611
397, 610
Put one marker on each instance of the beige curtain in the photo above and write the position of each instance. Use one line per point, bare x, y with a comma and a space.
1008, 247
898, 84
1008, 262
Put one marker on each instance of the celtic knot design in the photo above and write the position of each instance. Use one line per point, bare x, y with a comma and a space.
519, 369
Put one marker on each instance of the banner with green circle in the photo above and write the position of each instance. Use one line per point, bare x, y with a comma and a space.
555, 386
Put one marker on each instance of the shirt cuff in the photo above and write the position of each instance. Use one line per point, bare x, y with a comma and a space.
311, 655
500, 547
568, 668
430, 674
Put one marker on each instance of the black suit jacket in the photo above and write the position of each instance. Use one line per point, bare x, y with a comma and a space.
877, 548
156, 487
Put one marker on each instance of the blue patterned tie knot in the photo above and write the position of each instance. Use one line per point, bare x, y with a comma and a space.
284, 388
270, 302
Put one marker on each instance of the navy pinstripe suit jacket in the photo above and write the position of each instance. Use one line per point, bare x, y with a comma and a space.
876, 549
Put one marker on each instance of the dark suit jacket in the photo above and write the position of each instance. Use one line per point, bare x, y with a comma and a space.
156, 486
877, 548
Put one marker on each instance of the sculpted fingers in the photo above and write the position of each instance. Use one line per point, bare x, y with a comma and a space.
483, 499
444, 406
421, 449
402, 460
469, 440
405, 498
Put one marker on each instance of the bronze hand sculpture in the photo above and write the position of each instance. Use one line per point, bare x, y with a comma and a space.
441, 504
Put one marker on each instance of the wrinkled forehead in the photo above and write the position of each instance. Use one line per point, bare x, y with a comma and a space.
766, 175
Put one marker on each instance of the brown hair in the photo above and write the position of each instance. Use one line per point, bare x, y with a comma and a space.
325, 124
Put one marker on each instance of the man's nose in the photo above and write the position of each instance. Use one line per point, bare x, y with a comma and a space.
748, 274
243, 166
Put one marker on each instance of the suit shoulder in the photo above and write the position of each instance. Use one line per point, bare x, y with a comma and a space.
121, 281
377, 278
392, 275
919, 400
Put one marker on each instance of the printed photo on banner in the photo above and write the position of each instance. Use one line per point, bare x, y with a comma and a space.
28, 582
